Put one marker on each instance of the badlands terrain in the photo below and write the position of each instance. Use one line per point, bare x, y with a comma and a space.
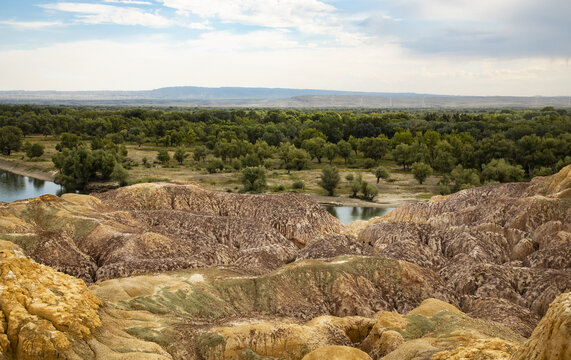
174, 271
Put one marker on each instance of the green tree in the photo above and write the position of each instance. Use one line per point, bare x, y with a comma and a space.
464, 178
381, 172
403, 155
35, 150
253, 179
68, 141
369, 191
119, 174
10, 139
421, 171
502, 171
402, 137
180, 154
104, 163
251, 160
76, 166
200, 152
330, 151
163, 156
344, 149
215, 165
374, 148
263, 150
356, 184
292, 157
315, 147
329, 179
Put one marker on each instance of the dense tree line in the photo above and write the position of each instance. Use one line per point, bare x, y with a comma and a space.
457, 144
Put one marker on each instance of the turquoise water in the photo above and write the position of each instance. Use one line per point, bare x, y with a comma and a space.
16, 187
346, 214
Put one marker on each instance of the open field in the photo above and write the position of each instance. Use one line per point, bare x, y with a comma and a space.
401, 188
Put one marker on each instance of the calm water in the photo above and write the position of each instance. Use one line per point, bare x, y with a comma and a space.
16, 187
346, 214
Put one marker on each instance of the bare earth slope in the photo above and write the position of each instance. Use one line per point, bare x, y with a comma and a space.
158, 227
466, 276
504, 249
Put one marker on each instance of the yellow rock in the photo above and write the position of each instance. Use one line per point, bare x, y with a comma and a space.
336, 352
43, 311
479, 349
431, 307
551, 339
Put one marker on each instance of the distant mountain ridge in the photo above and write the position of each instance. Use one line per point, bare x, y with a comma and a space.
194, 96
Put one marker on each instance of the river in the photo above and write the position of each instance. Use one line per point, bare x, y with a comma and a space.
347, 214
16, 187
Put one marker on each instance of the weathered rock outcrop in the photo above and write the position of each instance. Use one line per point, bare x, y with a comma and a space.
435, 330
344, 286
510, 242
44, 314
159, 227
295, 216
336, 352
551, 339
276, 276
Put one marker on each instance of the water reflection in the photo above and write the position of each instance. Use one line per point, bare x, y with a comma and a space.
11, 181
346, 214
16, 187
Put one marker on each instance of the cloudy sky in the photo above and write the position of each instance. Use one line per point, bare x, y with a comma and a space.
459, 47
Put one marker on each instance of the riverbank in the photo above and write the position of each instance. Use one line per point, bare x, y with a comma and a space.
17, 168
381, 201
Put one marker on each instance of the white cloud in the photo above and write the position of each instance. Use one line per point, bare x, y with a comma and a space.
109, 14
224, 42
129, 2
30, 25
268, 13
307, 16
153, 63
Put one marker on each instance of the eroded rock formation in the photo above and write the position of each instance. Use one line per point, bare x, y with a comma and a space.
275, 276
510, 242
159, 227
44, 313
551, 338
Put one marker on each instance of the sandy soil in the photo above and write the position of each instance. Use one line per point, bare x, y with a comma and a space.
19, 169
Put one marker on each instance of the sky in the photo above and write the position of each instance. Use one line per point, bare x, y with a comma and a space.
454, 47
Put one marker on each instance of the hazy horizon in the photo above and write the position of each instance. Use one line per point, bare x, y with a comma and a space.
459, 48
365, 93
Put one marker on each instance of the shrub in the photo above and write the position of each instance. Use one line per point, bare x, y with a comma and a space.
329, 179
163, 156
35, 150
368, 163
369, 191
237, 164
298, 185
215, 165
279, 188
502, 171
119, 174
381, 172
421, 171
180, 154
250, 160
349, 177
253, 179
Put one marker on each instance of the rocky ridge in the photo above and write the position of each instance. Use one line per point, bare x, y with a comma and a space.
506, 244
253, 272
158, 227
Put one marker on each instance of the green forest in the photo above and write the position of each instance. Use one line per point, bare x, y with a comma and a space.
464, 148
